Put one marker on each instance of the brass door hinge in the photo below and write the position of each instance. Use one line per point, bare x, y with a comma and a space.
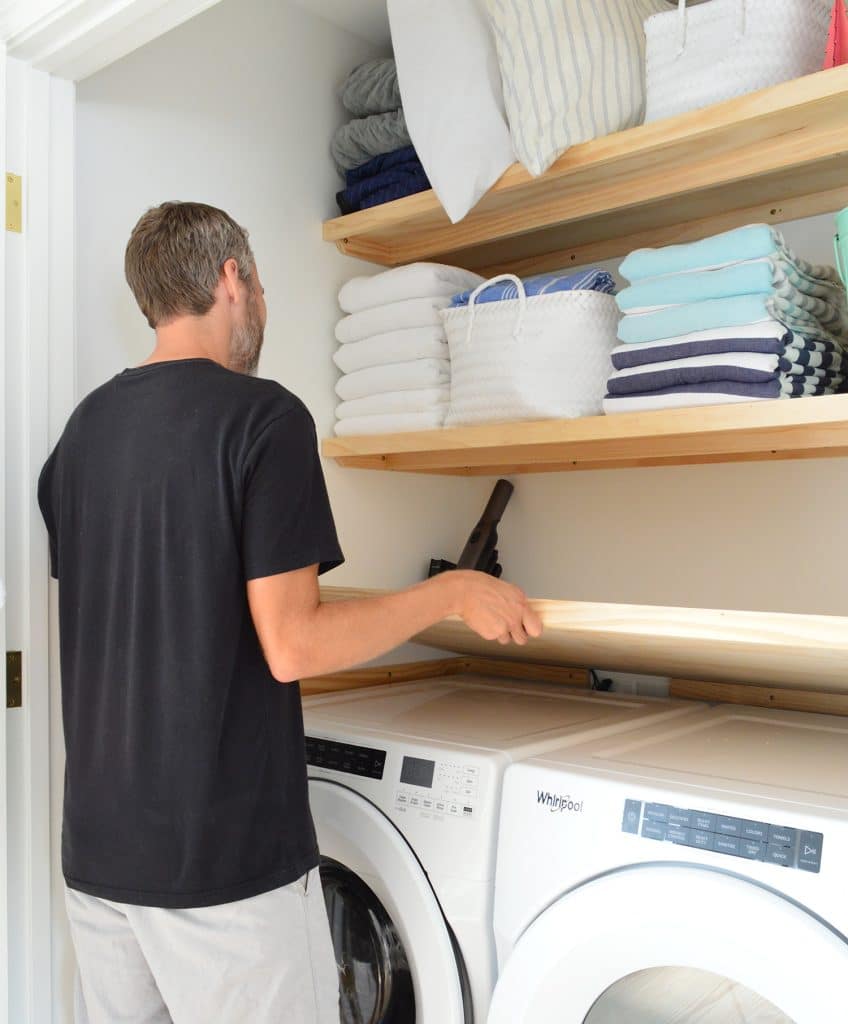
14, 203
14, 679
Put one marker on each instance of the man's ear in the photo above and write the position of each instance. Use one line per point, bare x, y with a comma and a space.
231, 281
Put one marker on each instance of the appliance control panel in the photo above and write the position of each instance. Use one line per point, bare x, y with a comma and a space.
437, 789
345, 757
736, 837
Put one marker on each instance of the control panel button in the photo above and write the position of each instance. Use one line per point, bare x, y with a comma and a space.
676, 834
779, 836
345, 757
757, 830
702, 821
777, 854
632, 814
727, 844
651, 830
701, 840
751, 849
656, 813
810, 851
728, 826
681, 818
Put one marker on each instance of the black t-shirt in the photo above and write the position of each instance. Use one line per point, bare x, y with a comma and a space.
172, 485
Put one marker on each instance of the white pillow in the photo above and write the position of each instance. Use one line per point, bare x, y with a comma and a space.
450, 85
572, 70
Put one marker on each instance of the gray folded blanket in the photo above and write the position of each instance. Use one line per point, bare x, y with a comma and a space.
359, 141
372, 88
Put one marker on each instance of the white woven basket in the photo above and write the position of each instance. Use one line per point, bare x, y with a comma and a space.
726, 48
542, 357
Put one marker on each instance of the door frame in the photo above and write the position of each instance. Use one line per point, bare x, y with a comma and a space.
45, 48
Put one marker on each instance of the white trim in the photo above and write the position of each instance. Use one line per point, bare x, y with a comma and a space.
80, 37
36, 635
61, 375
39, 139
4, 910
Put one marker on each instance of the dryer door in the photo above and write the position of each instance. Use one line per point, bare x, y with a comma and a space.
397, 962
661, 944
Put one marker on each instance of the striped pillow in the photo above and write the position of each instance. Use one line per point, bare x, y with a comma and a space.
572, 70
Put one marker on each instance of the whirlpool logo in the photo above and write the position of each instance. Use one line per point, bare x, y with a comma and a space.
557, 802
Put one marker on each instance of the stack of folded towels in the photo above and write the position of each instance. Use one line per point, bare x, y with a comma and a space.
373, 152
736, 317
393, 351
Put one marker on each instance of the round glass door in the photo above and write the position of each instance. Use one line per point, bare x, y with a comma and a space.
673, 995
375, 980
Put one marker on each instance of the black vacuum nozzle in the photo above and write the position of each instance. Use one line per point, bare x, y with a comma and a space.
480, 551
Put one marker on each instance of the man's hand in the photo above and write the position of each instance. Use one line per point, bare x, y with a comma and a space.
496, 610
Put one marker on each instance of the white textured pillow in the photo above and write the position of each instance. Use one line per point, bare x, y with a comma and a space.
572, 70
450, 85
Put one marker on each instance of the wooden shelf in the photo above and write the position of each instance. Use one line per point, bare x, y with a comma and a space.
770, 156
801, 652
802, 428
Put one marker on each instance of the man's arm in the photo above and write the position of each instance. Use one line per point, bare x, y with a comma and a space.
302, 637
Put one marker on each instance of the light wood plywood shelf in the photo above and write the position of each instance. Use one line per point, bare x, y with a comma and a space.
780, 651
802, 428
772, 156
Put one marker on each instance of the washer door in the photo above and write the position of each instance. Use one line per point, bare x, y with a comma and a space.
396, 957
611, 950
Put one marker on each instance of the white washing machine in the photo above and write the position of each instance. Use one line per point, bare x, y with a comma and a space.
689, 871
405, 786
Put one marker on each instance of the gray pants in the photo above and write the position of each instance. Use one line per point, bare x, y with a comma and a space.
265, 960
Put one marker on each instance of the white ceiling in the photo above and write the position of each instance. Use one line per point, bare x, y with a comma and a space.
365, 18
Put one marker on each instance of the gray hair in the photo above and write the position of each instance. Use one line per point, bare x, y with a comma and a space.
174, 258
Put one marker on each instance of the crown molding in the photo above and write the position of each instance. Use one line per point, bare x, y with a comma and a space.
75, 38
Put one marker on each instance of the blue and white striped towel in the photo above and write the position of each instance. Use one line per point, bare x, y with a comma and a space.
592, 280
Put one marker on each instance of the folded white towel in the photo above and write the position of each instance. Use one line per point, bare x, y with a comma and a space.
394, 317
418, 373
416, 281
391, 423
418, 400
647, 403
395, 347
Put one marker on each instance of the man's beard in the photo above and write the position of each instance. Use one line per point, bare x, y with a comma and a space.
246, 342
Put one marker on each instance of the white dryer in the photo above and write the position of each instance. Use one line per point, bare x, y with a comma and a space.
689, 871
405, 786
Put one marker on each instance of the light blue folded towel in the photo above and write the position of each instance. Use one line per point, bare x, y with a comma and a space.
753, 242
734, 311
673, 289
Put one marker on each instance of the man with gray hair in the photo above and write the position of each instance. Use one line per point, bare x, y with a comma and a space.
189, 521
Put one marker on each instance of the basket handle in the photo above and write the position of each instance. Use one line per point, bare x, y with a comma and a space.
683, 20
522, 303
